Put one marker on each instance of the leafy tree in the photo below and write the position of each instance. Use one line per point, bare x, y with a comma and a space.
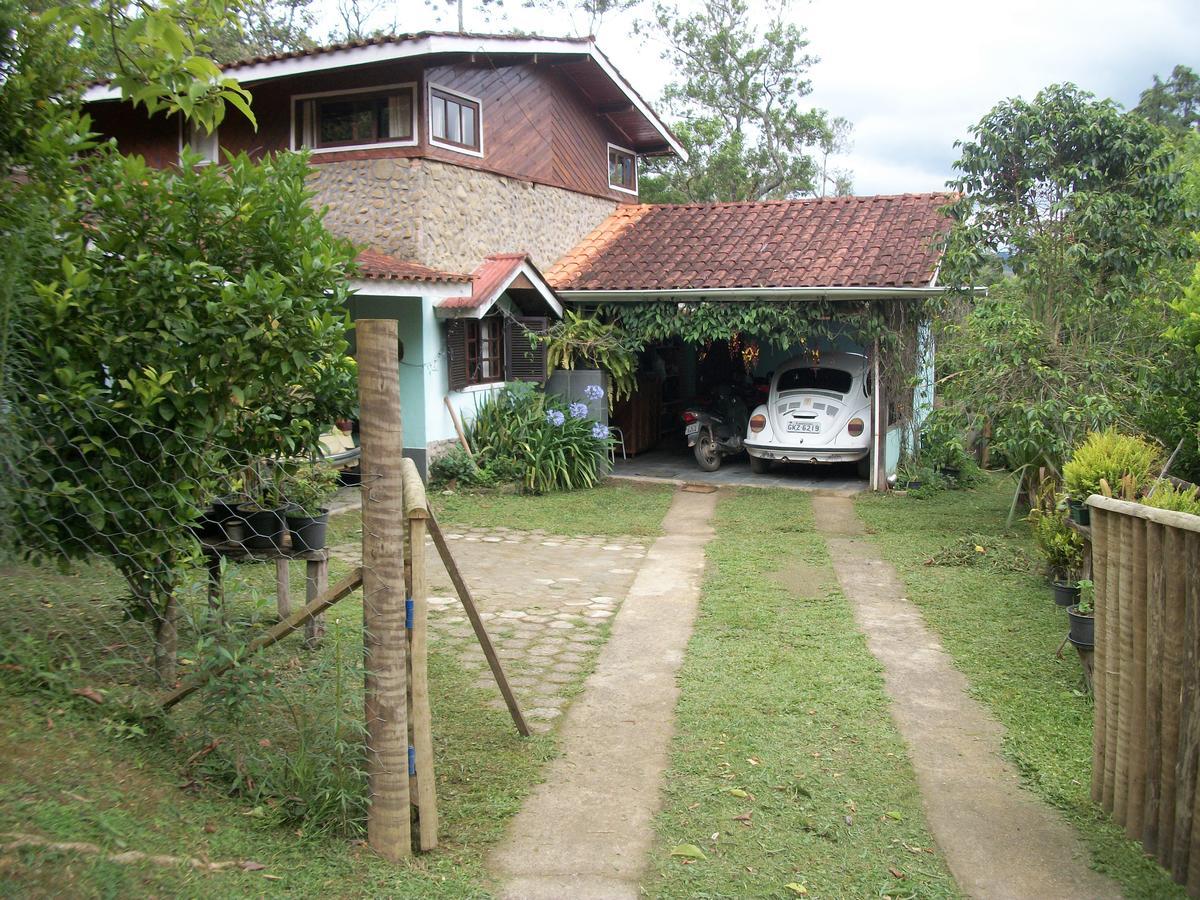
738, 99
263, 27
1087, 205
1174, 103
195, 322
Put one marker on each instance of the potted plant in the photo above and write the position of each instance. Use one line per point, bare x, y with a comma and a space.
1083, 623
262, 514
909, 476
1062, 548
307, 491
1107, 456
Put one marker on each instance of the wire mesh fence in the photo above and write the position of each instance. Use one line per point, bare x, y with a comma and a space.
134, 559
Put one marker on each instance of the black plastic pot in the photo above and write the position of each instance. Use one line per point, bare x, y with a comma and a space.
1083, 628
264, 527
1080, 512
308, 532
951, 472
1066, 593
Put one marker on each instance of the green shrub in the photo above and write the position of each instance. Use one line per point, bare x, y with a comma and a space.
309, 487
456, 466
1108, 455
1167, 496
519, 431
1059, 544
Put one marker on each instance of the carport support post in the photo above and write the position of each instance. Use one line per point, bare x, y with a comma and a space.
384, 636
878, 423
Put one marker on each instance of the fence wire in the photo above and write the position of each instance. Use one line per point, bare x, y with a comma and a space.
112, 537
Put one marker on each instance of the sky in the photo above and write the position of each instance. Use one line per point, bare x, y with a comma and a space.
912, 77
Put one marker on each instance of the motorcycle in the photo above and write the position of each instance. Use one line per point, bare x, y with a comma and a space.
714, 434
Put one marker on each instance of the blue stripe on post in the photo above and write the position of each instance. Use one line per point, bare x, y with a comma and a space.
412, 761
408, 613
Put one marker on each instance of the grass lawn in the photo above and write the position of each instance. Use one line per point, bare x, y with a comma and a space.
266, 767
995, 616
786, 771
612, 508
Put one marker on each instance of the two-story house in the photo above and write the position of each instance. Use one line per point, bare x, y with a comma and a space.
464, 164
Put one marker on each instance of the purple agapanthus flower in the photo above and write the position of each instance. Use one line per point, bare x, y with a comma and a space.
600, 431
578, 410
593, 392
555, 417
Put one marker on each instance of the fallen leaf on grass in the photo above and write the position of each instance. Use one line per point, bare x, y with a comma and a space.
896, 873
688, 851
739, 793
744, 818
752, 760
252, 866
796, 888
89, 693
893, 815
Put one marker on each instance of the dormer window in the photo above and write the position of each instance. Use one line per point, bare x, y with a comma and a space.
455, 121
622, 169
205, 143
352, 120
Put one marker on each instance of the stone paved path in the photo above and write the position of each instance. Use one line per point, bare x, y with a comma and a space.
999, 840
586, 831
546, 600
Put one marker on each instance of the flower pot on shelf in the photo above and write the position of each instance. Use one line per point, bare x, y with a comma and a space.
233, 530
264, 527
1083, 628
308, 532
1066, 593
1081, 513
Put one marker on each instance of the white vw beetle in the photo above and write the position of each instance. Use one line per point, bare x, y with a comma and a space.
818, 411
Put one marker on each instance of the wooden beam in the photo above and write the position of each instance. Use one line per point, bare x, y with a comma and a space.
485, 642
608, 109
272, 635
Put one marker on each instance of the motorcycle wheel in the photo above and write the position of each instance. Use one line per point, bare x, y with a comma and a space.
708, 457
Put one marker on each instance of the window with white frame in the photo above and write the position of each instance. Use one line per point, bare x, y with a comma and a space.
455, 120
353, 119
205, 143
622, 169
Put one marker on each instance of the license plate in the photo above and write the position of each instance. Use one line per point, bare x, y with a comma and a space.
804, 427
694, 428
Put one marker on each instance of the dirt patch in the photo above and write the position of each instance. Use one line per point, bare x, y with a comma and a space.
803, 580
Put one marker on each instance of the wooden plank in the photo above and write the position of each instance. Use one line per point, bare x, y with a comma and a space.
485, 642
1189, 720
1099, 554
416, 506
1172, 689
283, 588
272, 635
1112, 643
385, 641
1135, 808
1155, 616
316, 582
1124, 656
422, 716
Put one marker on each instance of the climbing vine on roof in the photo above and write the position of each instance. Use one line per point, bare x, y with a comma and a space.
782, 323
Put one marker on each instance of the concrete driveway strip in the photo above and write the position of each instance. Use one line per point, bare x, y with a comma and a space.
586, 832
1000, 840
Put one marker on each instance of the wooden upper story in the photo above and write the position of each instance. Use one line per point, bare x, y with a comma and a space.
545, 110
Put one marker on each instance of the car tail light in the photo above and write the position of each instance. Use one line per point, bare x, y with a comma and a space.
758, 423
855, 427
689, 417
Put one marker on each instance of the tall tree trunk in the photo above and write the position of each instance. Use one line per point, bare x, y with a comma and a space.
384, 636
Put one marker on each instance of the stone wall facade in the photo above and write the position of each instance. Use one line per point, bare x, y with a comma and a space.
450, 217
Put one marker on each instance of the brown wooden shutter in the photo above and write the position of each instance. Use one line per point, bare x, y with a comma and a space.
456, 353
522, 360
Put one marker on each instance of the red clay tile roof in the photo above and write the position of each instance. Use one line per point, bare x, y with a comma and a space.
488, 280
882, 241
381, 267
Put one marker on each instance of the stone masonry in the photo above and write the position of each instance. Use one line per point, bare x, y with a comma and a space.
451, 217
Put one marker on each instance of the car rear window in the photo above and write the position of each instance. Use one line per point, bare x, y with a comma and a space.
816, 380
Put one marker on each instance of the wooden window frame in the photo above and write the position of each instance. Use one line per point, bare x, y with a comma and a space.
187, 129
633, 157
296, 142
475, 339
461, 99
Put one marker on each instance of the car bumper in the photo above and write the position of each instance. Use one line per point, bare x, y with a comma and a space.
807, 454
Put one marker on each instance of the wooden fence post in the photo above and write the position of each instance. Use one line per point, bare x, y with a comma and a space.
1100, 563
384, 634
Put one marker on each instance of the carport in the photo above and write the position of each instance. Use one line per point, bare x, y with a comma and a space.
762, 281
